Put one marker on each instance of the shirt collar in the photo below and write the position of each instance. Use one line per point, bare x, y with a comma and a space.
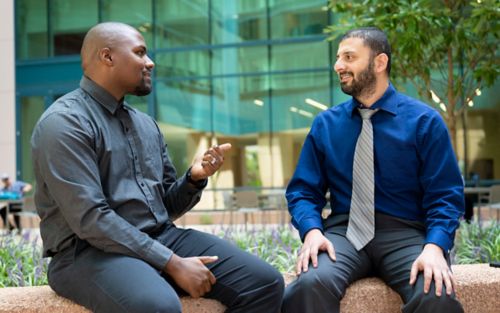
386, 103
100, 95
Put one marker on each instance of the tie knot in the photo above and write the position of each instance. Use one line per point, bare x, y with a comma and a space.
366, 114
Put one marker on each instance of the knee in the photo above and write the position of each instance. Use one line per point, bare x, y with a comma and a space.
150, 304
432, 303
265, 294
272, 286
312, 283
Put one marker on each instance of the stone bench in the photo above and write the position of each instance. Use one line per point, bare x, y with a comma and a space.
478, 289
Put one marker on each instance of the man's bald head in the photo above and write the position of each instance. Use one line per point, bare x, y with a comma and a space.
103, 35
114, 56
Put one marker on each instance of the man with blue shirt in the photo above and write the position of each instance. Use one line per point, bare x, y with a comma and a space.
396, 192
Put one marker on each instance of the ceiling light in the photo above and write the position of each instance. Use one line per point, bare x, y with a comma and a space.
316, 104
435, 98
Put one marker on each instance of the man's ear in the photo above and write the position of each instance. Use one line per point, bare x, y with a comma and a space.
105, 56
381, 61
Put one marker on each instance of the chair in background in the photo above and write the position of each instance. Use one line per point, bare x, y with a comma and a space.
27, 213
494, 201
273, 202
247, 202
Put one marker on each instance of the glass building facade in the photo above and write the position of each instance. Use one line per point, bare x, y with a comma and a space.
250, 72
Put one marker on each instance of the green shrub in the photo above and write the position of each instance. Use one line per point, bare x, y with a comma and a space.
206, 219
276, 245
21, 262
476, 244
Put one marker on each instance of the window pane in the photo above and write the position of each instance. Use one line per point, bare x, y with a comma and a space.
184, 63
178, 142
139, 103
184, 103
297, 99
240, 60
295, 18
31, 110
181, 23
70, 22
135, 13
241, 105
238, 20
299, 56
31, 29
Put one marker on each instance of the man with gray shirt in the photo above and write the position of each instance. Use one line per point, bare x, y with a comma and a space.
107, 194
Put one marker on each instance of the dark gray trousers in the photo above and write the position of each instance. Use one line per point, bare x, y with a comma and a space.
389, 255
109, 283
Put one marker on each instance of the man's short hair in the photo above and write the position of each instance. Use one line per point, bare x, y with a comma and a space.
375, 39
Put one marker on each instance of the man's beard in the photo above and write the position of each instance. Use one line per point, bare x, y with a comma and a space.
363, 85
142, 89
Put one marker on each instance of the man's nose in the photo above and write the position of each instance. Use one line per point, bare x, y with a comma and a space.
149, 63
338, 66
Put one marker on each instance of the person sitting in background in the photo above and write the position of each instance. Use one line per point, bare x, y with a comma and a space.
19, 189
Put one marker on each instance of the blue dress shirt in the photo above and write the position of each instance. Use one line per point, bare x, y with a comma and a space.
416, 172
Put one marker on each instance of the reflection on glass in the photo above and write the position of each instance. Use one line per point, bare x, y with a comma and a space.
177, 140
296, 18
241, 105
184, 103
31, 29
240, 60
135, 13
182, 64
70, 22
238, 20
31, 110
139, 103
181, 23
300, 56
298, 98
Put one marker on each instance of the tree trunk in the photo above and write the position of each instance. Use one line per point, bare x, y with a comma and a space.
452, 128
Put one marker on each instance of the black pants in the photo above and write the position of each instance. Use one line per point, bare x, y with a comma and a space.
105, 282
469, 207
389, 255
17, 218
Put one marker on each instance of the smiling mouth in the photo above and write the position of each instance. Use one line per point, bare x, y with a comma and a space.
344, 78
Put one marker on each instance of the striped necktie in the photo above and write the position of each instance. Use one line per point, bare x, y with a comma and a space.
361, 227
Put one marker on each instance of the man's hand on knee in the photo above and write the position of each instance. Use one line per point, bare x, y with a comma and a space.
191, 274
434, 266
314, 242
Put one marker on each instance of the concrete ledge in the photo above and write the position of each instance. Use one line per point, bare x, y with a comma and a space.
478, 289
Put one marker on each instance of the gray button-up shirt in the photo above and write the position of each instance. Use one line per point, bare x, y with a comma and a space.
103, 174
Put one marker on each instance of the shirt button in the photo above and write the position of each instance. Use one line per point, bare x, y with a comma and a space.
142, 184
126, 129
135, 157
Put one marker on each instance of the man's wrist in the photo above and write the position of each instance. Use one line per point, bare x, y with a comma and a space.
196, 183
